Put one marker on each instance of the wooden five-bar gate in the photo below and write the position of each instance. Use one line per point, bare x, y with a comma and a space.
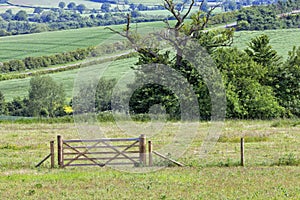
102, 152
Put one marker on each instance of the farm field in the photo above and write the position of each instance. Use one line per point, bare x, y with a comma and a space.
19, 87
54, 42
14, 9
21, 46
217, 176
54, 3
39, 44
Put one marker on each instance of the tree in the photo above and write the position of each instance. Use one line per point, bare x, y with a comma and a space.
286, 83
62, 5
261, 51
105, 7
3, 105
38, 10
46, 97
195, 30
71, 6
21, 16
81, 8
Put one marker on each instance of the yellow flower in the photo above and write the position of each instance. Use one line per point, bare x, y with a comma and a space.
68, 109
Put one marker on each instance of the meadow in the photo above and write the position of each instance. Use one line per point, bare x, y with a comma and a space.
16, 47
39, 44
272, 165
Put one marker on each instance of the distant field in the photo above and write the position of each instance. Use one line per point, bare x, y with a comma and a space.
54, 3
19, 87
54, 42
21, 46
15, 9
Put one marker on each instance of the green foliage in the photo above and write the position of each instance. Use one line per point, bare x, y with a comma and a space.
268, 17
247, 95
46, 98
288, 159
286, 83
3, 105
45, 61
94, 98
261, 51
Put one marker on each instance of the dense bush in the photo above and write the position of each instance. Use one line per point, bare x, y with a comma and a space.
45, 61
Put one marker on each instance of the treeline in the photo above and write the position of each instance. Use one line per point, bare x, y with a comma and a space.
45, 61
275, 16
258, 84
62, 20
59, 19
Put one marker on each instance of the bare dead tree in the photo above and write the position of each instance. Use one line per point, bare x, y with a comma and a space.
178, 34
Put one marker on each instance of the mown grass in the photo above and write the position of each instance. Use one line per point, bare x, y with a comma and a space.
267, 174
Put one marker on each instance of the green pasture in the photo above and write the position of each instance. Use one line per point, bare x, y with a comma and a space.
15, 9
271, 151
16, 47
115, 69
39, 44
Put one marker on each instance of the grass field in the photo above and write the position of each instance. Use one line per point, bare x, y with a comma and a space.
53, 42
19, 87
216, 176
21, 46
15, 9
16, 47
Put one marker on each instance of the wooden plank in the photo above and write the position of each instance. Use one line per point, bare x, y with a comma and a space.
119, 158
43, 160
99, 147
82, 154
120, 152
104, 153
164, 157
82, 165
104, 140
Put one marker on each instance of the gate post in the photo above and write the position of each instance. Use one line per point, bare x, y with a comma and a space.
52, 153
60, 151
150, 153
143, 150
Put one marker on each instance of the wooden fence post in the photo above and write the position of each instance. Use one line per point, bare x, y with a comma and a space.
150, 153
143, 149
242, 152
52, 153
60, 151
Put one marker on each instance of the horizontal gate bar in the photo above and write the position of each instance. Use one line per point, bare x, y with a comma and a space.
79, 165
95, 153
104, 140
98, 147
121, 158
